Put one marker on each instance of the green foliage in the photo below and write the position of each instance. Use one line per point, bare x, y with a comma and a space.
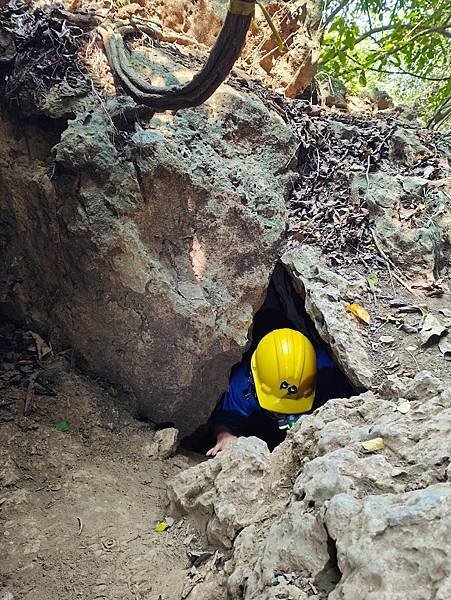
403, 44
63, 426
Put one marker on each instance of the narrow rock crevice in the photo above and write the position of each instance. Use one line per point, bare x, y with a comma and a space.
327, 579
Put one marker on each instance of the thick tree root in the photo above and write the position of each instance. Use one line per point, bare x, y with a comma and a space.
222, 57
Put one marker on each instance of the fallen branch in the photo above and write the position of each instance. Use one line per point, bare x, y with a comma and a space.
389, 262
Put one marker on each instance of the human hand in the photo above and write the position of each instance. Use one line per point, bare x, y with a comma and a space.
224, 438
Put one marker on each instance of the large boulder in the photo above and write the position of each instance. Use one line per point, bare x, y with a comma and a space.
147, 250
326, 295
392, 547
410, 219
225, 493
322, 516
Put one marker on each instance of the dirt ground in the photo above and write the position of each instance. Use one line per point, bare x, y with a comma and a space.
78, 508
394, 345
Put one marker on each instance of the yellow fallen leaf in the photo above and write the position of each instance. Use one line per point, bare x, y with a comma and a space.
55, 487
359, 312
403, 407
374, 444
161, 526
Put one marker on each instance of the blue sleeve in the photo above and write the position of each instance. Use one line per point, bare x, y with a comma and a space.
238, 402
323, 359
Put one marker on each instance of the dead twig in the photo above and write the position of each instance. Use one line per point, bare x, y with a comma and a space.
389, 262
414, 358
80, 526
30, 396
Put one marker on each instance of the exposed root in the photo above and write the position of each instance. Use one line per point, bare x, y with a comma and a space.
222, 57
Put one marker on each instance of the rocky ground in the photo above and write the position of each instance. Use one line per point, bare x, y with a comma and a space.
83, 485
355, 504
140, 250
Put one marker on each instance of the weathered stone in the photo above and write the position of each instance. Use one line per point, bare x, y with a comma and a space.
227, 492
392, 546
351, 519
152, 254
326, 295
164, 443
445, 347
432, 330
213, 588
423, 387
296, 541
420, 245
341, 471
417, 448
344, 131
405, 147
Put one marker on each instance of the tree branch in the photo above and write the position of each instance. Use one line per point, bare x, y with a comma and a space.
217, 67
334, 13
399, 72
442, 30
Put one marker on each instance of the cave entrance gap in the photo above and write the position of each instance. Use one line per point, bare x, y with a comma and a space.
283, 307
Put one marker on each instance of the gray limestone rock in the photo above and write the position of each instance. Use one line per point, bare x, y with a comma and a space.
326, 296
432, 330
225, 493
164, 443
410, 220
328, 520
296, 541
392, 546
343, 470
405, 147
153, 249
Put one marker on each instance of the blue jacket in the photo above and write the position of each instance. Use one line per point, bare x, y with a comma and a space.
239, 402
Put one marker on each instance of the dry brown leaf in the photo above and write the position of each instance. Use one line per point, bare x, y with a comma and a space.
360, 312
42, 348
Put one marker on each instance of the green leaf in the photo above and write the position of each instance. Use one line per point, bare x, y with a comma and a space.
372, 280
63, 426
362, 78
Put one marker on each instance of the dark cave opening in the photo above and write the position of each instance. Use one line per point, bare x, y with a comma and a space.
282, 308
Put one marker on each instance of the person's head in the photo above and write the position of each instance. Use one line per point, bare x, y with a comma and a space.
284, 371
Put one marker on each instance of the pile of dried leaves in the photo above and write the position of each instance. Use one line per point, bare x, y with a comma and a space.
333, 148
39, 47
23, 356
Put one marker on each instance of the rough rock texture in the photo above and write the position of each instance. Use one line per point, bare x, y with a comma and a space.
228, 491
326, 296
160, 242
164, 443
409, 530
416, 239
328, 519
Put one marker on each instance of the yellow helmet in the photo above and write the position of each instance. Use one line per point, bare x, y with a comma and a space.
284, 370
